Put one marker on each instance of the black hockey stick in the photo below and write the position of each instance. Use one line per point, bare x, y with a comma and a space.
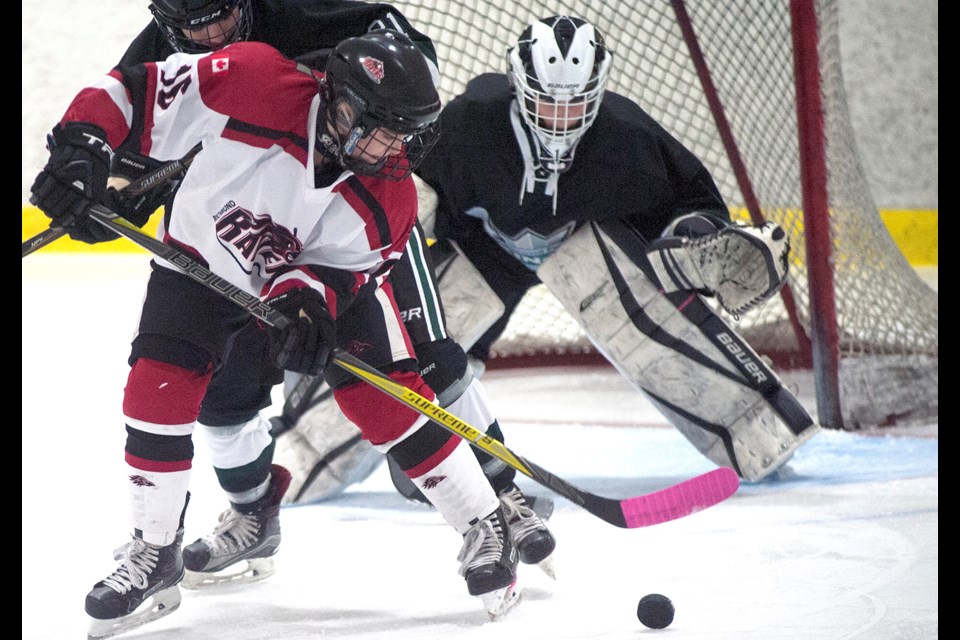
146, 183
300, 400
675, 501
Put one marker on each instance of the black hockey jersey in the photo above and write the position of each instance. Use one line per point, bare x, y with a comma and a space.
297, 27
626, 166
307, 29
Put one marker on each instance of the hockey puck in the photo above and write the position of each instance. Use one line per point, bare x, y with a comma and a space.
655, 611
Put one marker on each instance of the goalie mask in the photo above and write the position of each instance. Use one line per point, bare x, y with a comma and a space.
558, 70
382, 105
198, 26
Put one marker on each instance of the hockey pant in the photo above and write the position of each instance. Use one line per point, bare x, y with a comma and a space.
707, 381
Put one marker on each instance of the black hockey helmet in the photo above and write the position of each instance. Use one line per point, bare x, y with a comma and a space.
212, 24
374, 85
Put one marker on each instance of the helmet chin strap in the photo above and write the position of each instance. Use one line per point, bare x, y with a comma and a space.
541, 165
339, 151
328, 146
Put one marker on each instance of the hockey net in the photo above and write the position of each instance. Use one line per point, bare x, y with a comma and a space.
722, 78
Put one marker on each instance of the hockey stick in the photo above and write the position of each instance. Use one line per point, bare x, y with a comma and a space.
675, 501
155, 178
298, 401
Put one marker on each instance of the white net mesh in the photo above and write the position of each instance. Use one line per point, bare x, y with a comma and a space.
883, 309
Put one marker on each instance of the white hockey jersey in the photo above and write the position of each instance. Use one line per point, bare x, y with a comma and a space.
250, 208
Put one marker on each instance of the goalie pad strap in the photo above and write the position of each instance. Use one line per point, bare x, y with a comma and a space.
674, 265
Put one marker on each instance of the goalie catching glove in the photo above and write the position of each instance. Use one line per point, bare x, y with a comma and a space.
743, 266
74, 179
304, 345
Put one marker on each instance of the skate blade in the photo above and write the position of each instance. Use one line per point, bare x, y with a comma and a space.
546, 565
242, 572
160, 604
498, 603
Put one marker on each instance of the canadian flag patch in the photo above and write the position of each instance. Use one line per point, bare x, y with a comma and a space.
220, 64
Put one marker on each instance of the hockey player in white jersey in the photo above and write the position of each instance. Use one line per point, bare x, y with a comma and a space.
307, 30
302, 197
541, 175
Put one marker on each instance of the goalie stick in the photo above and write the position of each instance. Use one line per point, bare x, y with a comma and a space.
155, 178
675, 501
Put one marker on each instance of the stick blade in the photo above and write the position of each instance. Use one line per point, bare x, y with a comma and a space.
680, 500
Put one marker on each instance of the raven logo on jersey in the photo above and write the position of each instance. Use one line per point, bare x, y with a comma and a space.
172, 86
140, 481
257, 239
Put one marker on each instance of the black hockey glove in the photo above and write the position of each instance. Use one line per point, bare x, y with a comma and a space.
137, 208
74, 179
306, 343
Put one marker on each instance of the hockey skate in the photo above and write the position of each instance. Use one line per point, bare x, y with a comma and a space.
141, 590
489, 564
242, 545
528, 532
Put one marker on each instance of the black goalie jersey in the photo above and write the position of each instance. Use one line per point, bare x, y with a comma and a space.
494, 198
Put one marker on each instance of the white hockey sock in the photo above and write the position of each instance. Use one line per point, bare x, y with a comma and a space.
157, 499
473, 408
458, 489
235, 446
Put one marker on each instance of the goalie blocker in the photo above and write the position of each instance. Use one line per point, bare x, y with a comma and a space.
673, 347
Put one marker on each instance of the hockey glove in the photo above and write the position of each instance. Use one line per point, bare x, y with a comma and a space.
129, 167
306, 343
74, 179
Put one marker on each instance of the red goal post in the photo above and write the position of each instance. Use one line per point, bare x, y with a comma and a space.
755, 89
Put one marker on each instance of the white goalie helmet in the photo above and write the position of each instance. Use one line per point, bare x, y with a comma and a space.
559, 69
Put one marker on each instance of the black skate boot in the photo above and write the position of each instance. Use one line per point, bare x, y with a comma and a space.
142, 589
241, 547
489, 564
534, 541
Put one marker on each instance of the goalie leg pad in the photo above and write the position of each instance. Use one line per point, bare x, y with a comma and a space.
469, 304
674, 348
742, 266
